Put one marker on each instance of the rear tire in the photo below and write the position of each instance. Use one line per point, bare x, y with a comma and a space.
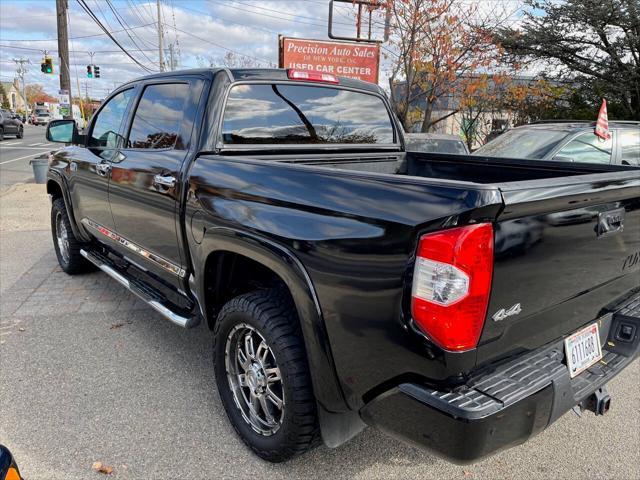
1, 134
277, 370
66, 245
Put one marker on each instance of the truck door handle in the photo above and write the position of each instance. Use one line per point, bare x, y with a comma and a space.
166, 181
102, 169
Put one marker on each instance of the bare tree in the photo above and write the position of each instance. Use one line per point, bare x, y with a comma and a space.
232, 60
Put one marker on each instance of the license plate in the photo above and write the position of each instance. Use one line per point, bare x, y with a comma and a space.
582, 349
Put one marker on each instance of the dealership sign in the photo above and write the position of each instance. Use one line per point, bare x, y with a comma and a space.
345, 59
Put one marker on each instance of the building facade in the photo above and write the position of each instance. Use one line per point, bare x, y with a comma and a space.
13, 93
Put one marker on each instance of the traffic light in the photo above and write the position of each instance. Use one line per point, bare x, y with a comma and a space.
96, 71
47, 66
89, 71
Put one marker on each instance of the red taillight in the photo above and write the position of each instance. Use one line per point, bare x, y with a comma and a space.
311, 76
451, 285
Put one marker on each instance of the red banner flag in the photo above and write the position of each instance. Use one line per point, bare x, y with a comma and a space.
602, 124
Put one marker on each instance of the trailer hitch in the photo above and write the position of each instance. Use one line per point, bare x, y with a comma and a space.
599, 402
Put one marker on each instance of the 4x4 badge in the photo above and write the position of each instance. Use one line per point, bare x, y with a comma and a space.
504, 313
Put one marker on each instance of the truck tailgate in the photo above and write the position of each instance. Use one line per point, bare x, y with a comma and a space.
564, 249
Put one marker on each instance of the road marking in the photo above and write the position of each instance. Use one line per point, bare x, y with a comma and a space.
34, 144
45, 147
12, 143
21, 158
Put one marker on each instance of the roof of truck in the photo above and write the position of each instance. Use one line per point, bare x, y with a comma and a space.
252, 74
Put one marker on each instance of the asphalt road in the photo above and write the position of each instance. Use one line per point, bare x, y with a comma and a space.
88, 373
15, 154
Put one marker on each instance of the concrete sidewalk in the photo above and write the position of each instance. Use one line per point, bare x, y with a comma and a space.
88, 373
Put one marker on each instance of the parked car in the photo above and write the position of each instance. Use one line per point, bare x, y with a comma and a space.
435, 142
349, 282
41, 118
10, 124
570, 141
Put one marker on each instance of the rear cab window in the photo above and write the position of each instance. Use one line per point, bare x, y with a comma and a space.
284, 113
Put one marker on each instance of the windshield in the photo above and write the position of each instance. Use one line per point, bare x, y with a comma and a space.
437, 145
303, 114
522, 143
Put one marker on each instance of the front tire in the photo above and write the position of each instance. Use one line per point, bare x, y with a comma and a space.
262, 375
20, 133
66, 245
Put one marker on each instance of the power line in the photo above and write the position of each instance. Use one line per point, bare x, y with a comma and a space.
71, 38
262, 60
74, 51
279, 17
127, 31
279, 13
86, 8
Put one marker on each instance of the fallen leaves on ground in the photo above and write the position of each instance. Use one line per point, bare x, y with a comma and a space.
467, 473
116, 325
102, 468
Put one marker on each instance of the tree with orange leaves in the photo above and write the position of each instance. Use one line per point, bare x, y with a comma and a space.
439, 48
35, 93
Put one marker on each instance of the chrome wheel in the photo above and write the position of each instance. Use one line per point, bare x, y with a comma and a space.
254, 379
62, 237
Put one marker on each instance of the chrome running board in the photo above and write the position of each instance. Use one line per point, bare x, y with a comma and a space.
142, 290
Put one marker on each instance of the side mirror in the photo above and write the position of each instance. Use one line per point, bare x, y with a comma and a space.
62, 131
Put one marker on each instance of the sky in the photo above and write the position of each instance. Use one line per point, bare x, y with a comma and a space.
201, 32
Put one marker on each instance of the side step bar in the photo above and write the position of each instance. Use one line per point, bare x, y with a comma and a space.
141, 290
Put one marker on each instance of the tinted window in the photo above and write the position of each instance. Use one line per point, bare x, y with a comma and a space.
629, 147
157, 120
106, 127
303, 114
522, 143
587, 148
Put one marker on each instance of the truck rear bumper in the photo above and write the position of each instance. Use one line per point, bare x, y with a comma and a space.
505, 407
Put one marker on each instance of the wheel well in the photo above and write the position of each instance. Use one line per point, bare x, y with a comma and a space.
229, 274
54, 189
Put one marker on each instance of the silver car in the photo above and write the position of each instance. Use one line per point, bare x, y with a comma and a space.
570, 141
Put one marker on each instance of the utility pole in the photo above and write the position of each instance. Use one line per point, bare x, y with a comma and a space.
172, 65
21, 70
160, 47
63, 51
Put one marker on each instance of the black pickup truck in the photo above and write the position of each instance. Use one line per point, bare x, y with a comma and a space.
460, 303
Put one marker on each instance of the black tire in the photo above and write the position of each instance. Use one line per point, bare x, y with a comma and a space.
1, 134
272, 314
20, 133
73, 262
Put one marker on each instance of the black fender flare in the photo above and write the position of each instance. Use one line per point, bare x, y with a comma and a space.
57, 178
327, 390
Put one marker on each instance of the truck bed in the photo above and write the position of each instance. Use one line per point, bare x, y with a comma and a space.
354, 220
479, 170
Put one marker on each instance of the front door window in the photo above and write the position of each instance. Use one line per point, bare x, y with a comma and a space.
587, 148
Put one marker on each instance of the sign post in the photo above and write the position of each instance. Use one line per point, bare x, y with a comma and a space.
345, 59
